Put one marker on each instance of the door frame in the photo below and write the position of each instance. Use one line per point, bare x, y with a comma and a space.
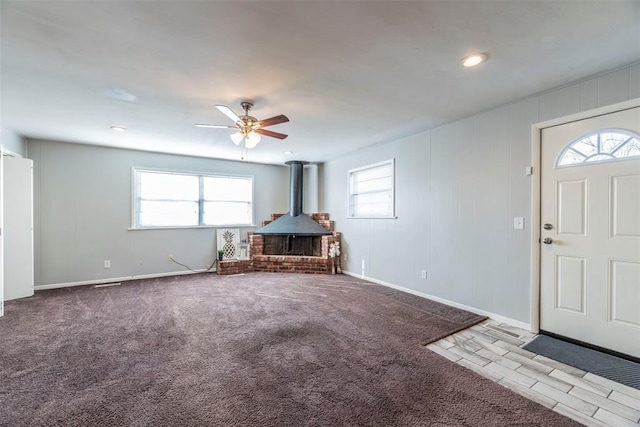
536, 193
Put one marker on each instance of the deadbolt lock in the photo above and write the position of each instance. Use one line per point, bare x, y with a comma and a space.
548, 226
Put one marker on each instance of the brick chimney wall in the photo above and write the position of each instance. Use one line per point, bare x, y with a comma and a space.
285, 263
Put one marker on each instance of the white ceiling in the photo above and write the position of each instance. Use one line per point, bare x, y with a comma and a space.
347, 73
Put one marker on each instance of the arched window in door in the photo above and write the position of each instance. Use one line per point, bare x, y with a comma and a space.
605, 145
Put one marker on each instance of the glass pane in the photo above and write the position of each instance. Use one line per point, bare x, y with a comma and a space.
377, 184
587, 146
630, 149
161, 213
570, 157
227, 213
610, 141
225, 188
160, 186
613, 145
372, 204
373, 173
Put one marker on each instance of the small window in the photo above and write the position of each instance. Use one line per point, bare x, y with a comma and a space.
602, 146
177, 199
371, 191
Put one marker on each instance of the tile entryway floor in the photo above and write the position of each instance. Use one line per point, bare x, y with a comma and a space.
493, 350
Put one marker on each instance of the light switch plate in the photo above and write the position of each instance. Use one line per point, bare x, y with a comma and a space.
518, 223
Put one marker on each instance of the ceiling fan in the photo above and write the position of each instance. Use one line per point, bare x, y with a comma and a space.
249, 128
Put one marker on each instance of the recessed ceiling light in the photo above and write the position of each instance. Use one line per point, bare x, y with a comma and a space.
118, 128
473, 59
287, 153
120, 95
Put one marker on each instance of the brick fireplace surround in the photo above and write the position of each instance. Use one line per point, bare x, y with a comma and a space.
285, 263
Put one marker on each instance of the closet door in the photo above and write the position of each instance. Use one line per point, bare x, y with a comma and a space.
18, 227
1, 231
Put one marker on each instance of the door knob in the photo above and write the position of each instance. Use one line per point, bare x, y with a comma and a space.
547, 240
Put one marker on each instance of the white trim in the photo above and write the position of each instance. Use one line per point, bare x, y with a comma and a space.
350, 172
534, 265
372, 217
601, 111
118, 279
199, 175
7, 152
372, 166
2, 150
188, 227
536, 145
497, 317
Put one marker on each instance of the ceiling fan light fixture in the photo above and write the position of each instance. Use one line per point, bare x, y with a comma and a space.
473, 60
248, 129
237, 138
251, 140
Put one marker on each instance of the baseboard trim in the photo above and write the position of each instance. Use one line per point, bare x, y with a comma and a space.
494, 316
117, 279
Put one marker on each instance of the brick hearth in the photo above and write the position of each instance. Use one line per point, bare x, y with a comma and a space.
285, 263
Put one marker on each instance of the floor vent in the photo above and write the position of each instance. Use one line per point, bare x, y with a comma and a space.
502, 331
107, 285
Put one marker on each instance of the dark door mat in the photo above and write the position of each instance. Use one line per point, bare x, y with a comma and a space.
598, 363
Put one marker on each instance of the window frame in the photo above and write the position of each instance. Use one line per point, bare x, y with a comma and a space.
350, 193
200, 175
585, 162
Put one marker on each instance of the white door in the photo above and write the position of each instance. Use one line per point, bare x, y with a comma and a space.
18, 227
1, 233
590, 214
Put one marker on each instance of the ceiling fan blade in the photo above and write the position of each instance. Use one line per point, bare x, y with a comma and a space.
274, 120
229, 113
271, 133
204, 125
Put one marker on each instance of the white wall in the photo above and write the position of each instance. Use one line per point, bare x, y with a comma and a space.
310, 189
82, 205
12, 142
458, 188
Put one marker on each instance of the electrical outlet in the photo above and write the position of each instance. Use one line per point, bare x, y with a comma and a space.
423, 274
170, 257
107, 263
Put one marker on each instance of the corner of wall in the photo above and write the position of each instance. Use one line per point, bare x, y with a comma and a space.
13, 143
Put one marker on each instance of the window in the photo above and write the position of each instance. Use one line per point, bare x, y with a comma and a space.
602, 146
176, 199
371, 191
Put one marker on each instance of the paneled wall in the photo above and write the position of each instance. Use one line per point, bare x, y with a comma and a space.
458, 188
82, 206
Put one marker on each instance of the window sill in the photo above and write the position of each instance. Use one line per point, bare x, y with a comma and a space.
190, 227
372, 217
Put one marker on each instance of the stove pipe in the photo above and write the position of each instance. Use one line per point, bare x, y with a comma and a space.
295, 186
295, 222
